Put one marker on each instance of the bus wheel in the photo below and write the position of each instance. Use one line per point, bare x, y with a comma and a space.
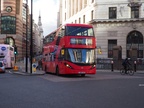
57, 71
45, 69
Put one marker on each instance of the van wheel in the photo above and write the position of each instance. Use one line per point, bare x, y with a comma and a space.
57, 71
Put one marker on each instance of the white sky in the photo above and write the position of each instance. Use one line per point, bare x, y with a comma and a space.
48, 10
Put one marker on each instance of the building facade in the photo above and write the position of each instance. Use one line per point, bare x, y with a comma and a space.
15, 27
11, 31
26, 31
116, 23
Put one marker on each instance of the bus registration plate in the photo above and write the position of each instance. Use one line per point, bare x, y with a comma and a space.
81, 72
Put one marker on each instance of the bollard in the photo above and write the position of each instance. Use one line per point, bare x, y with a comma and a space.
134, 66
112, 65
15, 68
33, 67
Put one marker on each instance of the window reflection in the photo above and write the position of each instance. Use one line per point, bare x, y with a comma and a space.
79, 31
80, 55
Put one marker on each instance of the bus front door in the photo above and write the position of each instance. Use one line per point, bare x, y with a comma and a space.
61, 65
52, 64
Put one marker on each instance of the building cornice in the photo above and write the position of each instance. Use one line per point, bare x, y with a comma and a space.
116, 20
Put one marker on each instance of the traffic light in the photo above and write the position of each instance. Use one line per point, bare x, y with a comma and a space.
15, 50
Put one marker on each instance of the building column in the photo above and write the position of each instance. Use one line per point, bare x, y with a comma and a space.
79, 5
75, 5
70, 8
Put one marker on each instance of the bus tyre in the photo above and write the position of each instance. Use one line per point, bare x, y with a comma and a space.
57, 71
45, 69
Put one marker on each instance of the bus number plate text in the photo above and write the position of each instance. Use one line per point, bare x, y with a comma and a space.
81, 72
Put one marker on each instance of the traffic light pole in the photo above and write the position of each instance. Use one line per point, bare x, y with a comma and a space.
15, 58
26, 64
15, 52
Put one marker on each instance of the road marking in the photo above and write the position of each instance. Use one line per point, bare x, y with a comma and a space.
54, 78
141, 85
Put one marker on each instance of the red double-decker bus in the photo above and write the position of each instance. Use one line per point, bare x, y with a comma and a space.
70, 50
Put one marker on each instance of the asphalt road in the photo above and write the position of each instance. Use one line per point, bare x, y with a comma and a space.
103, 90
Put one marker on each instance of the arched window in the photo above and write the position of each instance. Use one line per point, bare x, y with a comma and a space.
10, 41
135, 39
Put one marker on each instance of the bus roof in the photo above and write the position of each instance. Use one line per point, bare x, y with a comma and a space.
71, 24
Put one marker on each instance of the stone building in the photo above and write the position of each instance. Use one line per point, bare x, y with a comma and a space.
116, 23
11, 31
13, 27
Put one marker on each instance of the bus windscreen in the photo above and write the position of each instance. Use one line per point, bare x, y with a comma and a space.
79, 31
85, 56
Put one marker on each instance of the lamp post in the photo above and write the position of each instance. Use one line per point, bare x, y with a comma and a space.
31, 46
26, 64
0, 6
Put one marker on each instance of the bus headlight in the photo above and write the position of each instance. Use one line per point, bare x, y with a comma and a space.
67, 65
93, 66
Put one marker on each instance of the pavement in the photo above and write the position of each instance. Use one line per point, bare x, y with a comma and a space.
109, 70
21, 70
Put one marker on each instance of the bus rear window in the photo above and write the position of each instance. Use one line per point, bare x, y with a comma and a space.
79, 31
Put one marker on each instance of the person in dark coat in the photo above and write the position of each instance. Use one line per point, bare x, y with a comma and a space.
126, 64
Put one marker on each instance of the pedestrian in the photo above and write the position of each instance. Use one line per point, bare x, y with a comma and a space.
39, 64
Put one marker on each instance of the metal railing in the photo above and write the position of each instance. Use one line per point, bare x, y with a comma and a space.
117, 64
